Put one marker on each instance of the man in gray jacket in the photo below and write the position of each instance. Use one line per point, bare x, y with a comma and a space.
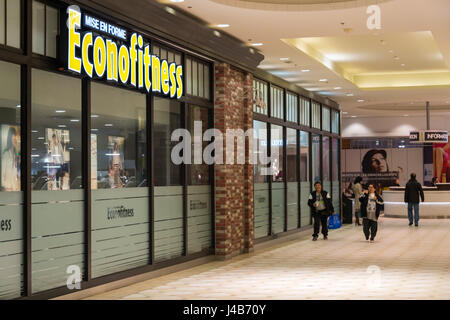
412, 191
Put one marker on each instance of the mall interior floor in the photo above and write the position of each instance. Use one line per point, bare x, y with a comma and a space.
403, 263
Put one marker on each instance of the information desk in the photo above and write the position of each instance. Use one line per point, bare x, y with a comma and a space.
436, 205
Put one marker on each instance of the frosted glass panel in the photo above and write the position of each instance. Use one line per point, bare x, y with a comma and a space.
194, 78
2, 21
261, 201
38, 27
200, 80
168, 223
13, 23
292, 202
326, 119
199, 218
277, 207
305, 213
51, 31
188, 76
206, 80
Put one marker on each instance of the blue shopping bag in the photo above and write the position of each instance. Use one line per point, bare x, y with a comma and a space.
334, 222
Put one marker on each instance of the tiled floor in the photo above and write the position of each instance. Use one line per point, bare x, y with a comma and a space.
403, 263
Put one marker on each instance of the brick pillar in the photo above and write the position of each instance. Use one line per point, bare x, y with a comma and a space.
234, 182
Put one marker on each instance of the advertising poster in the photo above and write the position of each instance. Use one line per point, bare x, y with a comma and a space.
10, 158
58, 159
115, 161
441, 161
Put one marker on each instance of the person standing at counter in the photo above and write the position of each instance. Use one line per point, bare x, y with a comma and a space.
371, 203
412, 191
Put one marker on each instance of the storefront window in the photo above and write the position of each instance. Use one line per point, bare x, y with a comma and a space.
168, 199
291, 176
45, 29
326, 164
260, 96
304, 111
335, 174
278, 176
276, 102
260, 180
315, 115
10, 23
315, 158
11, 197
335, 122
197, 78
326, 119
305, 180
199, 188
120, 204
291, 107
57, 199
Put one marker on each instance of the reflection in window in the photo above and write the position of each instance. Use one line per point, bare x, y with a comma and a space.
56, 132
276, 137
260, 152
167, 118
198, 173
118, 138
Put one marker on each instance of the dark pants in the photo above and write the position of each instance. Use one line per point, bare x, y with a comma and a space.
318, 220
370, 228
414, 206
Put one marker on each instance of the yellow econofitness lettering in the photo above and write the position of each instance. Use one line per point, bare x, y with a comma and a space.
131, 65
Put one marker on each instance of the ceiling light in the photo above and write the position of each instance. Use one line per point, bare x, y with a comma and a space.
391, 51
61, 126
94, 129
403, 64
353, 116
170, 10
256, 44
223, 25
360, 100
396, 58
108, 125
60, 111
337, 88
216, 33
176, 1
18, 106
74, 120
344, 112
305, 70
94, 116
252, 50
323, 80
40, 138
405, 115
350, 94
284, 59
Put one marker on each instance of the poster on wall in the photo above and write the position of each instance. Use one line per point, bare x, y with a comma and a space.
10, 158
115, 160
441, 161
58, 159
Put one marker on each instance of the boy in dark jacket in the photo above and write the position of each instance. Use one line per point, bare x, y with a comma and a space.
371, 204
321, 208
412, 191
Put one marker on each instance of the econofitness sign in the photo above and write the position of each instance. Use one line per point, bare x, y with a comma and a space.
121, 60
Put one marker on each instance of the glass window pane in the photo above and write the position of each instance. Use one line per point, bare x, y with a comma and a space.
163, 54
56, 173
11, 197
189, 76
178, 59
326, 178
51, 31
167, 118
38, 27
200, 80
335, 174
315, 160
194, 78
198, 173
260, 179
120, 203
316, 115
207, 81
291, 176
326, 119
276, 136
13, 23
305, 183
2, 21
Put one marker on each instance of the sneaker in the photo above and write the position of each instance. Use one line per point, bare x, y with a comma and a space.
416, 224
410, 223
314, 239
325, 238
367, 239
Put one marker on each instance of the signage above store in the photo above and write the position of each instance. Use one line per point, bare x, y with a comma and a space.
428, 136
130, 64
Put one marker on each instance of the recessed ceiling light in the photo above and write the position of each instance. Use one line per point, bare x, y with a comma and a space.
344, 112
94, 129
252, 50
40, 138
216, 33
18, 106
170, 10
223, 25
306, 70
256, 44
284, 59
405, 115
391, 51
61, 126
360, 100
108, 125
176, 1
350, 94
94, 116
74, 120
60, 111
353, 116
337, 88
323, 80
396, 58
403, 64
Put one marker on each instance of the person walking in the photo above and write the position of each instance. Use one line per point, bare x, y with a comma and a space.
371, 203
357, 191
321, 208
412, 191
